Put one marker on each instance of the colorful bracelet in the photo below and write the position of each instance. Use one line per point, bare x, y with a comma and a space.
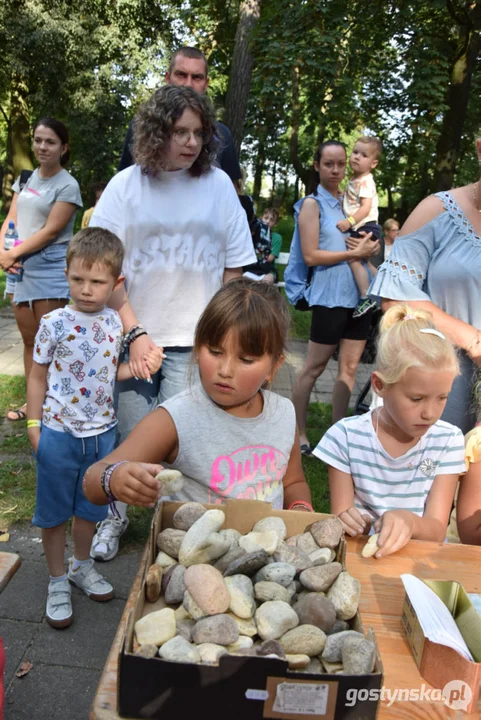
301, 503
351, 220
134, 332
105, 485
34, 423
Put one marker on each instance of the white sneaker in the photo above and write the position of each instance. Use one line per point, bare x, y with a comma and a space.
105, 543
59, 604
87, 578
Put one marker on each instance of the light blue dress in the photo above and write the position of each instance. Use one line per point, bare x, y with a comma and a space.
440, 262
331, 285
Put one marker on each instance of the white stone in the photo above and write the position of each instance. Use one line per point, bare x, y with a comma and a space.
164, 560
274, 618
172, 481
272, 523
179, 650
240, 644
202, 542
241, 591
254, 541
210, 653
156, 627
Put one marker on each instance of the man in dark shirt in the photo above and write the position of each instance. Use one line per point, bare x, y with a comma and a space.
188, 67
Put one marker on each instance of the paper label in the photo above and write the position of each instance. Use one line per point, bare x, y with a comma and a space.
256, 694
301, 699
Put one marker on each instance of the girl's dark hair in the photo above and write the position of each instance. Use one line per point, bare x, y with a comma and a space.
60, 131
255, 311
317, 157
154, 123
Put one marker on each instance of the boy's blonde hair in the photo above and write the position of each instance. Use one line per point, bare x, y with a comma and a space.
403, 345
374, 142
97, 245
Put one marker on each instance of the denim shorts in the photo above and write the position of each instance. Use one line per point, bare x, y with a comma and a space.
43, 276
62, 461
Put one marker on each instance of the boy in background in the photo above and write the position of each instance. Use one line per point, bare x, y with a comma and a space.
71, 419
360, 206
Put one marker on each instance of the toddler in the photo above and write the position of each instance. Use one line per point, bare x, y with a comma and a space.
398, 466
71, 419
360, 206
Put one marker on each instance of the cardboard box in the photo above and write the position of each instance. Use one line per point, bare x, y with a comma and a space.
439, 664
239, 687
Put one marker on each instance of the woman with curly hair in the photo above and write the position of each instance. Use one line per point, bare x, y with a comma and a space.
185, 234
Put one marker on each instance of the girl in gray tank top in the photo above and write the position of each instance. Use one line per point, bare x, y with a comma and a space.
230, 437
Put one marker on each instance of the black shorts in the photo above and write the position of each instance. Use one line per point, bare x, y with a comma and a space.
329, 325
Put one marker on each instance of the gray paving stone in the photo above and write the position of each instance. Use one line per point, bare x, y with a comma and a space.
53, 693
121, 572
16, 637
86, 643
22, 599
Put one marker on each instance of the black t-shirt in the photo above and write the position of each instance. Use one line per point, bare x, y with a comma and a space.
226, 156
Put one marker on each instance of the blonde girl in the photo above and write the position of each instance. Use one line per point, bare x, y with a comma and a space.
229, 436
397, 466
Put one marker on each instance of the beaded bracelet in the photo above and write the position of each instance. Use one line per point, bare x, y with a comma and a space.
105, 485
301, 503
144, 332
134, 332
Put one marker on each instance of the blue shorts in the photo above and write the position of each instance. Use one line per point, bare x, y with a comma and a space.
62, 461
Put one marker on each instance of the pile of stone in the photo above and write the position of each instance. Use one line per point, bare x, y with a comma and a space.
258, 594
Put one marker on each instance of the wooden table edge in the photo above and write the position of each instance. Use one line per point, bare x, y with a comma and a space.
102, 705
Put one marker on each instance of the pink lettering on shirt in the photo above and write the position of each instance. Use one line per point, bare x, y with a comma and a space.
254, 472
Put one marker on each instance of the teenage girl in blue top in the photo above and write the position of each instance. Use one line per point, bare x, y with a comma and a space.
332, 294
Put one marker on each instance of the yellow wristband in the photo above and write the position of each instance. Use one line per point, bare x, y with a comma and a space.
34, 423
351, 220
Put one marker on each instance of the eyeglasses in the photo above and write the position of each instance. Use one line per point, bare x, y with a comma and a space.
182, 137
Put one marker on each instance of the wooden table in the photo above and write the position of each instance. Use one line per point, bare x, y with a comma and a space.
9, 564
382, 598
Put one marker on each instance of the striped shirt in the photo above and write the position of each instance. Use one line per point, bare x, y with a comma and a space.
382, 482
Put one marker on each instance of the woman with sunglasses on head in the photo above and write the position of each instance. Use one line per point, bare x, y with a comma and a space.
43, 211
185, 234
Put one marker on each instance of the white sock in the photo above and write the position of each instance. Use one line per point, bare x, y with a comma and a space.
121, 508
58, 579
78, 563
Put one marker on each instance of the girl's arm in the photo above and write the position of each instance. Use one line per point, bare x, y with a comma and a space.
309, 234
36, 393
341, 492
468, 506
152, 440
397, 527
59, 216
140, 347
295, 485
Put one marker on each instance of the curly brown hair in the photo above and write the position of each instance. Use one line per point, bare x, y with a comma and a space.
154, 124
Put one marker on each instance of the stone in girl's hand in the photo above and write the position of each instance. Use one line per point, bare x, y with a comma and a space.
172, 481
371, 547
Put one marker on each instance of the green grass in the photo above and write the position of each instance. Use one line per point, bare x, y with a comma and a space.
318, 422
4, 302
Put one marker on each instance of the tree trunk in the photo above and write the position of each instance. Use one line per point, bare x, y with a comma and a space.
259, 168
274, 180
18, 138
241, 70
295, 125
447, 150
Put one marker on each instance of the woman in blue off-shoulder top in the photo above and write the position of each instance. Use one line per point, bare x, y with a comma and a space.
332, 294
435, 264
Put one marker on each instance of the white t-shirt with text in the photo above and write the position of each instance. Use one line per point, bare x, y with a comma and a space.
179, 235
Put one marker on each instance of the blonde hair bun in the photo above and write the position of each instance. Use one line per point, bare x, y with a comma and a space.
403, 345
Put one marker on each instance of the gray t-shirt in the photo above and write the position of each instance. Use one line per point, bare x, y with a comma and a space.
222, 456
38, 197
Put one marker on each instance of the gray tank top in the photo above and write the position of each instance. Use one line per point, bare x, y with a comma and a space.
222, 456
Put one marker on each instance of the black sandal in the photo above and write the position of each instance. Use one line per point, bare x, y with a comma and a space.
306, 450
20, 414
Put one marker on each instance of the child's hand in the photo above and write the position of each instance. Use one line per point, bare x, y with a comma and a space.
395, 529
33, 434
354, 522
135, 483
343, 225
154, 359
